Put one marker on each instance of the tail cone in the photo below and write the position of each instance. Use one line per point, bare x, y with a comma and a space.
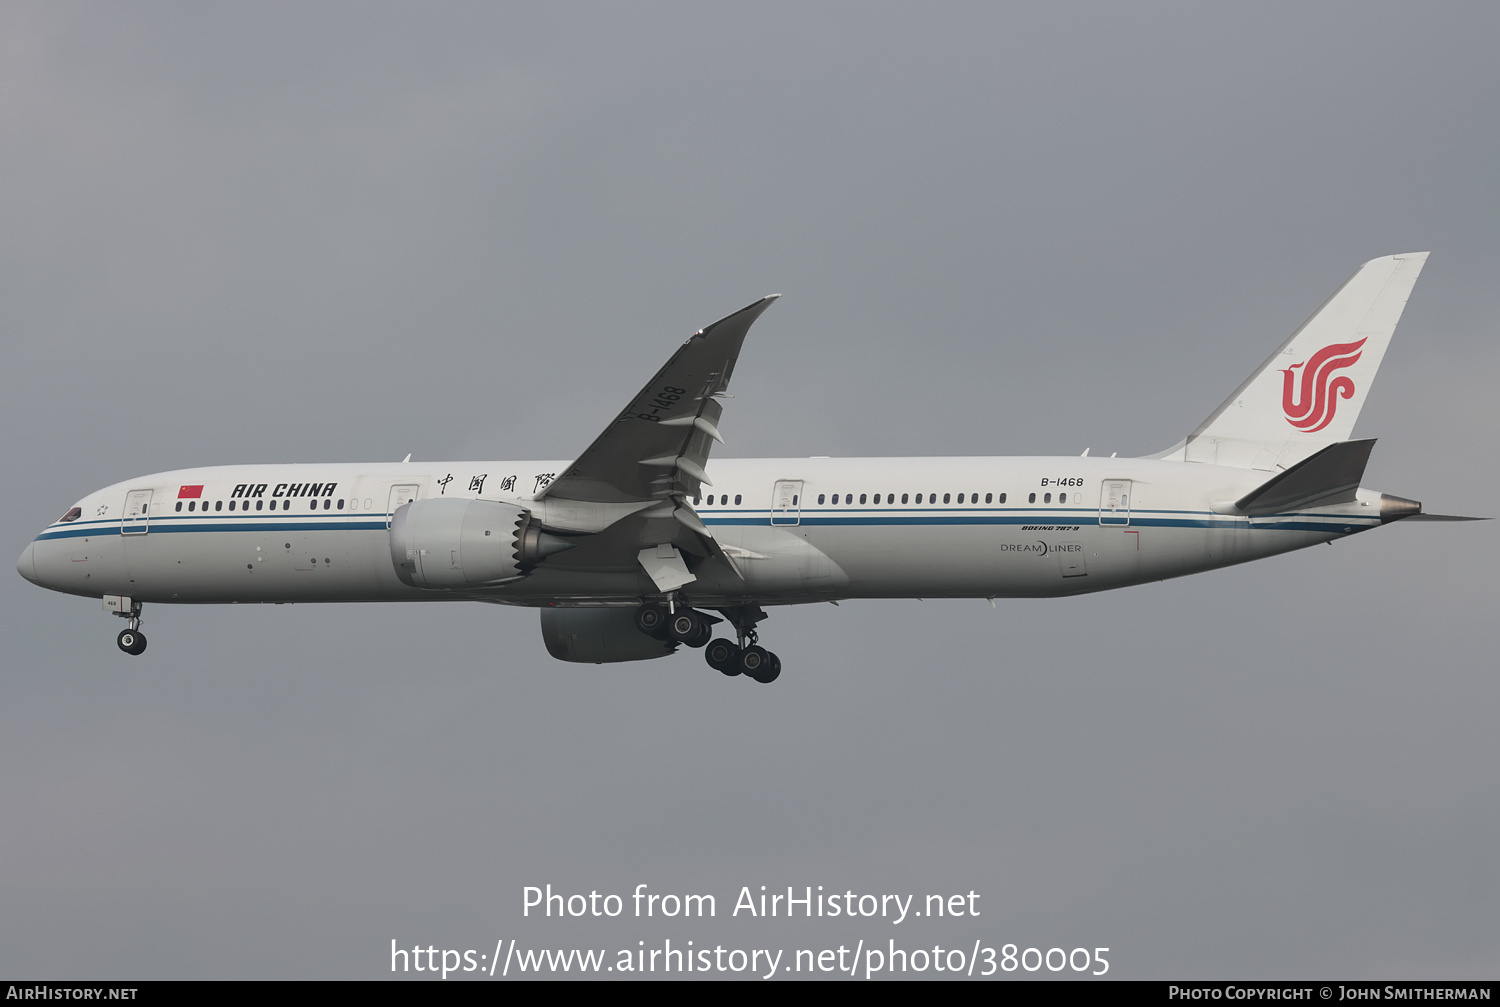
1396, 508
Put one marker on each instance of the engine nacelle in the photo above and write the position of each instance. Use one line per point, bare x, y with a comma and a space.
598, 636
458, 543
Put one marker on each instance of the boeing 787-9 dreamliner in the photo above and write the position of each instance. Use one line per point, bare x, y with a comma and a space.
629, 549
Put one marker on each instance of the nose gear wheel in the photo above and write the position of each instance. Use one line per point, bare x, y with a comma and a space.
131, 640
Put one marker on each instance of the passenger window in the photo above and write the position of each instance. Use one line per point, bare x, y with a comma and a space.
179, 505
946, 497
932, 498
710, 499
1062, 498
960, 498
862, 497
989, 498
794, 499
737, 499
341, 504
231, 505
904, 498
1002, 497
890, 498
1046, 498
218, 505
327, 504
258, 504
1031, 498
286, 505
821, 497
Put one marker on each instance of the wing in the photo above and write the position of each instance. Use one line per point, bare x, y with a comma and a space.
630, 490
658, 446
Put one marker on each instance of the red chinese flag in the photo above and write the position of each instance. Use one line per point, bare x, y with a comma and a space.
190, 493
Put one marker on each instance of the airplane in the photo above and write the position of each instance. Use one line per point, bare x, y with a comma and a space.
630, 549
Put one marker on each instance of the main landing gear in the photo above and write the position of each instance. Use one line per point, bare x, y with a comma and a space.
753, 661
131, 640
684, 626
695, 629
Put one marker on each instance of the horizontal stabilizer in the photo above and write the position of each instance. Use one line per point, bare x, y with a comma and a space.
1394, 508
1444, 517
1331, 476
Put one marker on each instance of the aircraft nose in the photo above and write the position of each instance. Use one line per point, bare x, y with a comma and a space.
26, 565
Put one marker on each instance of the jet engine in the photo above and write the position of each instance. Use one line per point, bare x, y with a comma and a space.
459, 544
598, 636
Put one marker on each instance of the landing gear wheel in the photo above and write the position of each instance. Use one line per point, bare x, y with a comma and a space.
131, 641
652, 620
690, 628
723, 656
753, 659
770, 671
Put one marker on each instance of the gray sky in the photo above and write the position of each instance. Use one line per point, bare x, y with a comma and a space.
248, 233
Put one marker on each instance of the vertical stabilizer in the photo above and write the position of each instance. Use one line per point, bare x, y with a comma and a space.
1309, 393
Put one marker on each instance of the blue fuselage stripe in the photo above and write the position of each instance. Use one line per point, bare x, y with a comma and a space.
161, 526
1047, 520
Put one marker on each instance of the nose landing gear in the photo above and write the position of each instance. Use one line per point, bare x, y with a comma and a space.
131, 640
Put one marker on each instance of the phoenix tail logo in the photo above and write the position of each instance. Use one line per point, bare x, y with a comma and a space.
1311, 406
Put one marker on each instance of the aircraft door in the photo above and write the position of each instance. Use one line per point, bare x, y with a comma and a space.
786, 502
403, 494
137, 519
1114, 502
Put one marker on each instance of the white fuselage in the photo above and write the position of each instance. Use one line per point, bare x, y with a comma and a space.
984, 527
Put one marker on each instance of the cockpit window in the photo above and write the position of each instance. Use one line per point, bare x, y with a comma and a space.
72, 515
